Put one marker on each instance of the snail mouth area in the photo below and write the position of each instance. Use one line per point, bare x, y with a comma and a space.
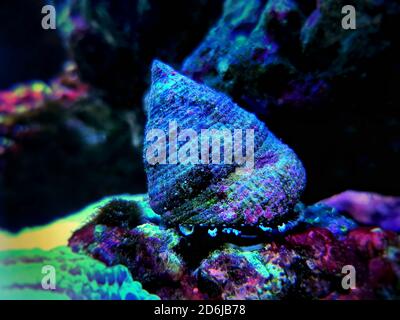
275, 227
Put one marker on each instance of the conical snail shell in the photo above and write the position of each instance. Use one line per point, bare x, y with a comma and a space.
214, 193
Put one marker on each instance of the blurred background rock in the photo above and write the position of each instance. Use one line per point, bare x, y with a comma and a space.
76, 135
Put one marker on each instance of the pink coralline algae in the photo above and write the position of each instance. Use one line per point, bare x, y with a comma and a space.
371, 251
26, 97
232, 274
304, 263
147, 250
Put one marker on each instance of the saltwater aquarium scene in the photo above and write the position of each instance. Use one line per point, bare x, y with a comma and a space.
200, 150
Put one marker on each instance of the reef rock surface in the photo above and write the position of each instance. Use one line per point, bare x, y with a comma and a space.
308, 262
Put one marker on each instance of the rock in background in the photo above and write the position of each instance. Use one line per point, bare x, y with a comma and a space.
330, 93
58, 154
114, 42
60, 148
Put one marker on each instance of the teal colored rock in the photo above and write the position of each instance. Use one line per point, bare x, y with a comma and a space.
77, 277
234, 274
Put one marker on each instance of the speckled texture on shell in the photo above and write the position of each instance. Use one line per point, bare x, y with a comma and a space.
215, 194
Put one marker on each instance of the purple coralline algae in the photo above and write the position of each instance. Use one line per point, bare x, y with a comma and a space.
151, 253
368, 208
119, 233
233, 274
374, 253
201, 191
306, 262
109, 230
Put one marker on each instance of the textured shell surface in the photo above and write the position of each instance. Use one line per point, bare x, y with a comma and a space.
208, 192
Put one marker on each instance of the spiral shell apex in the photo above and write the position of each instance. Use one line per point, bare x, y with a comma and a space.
210, 162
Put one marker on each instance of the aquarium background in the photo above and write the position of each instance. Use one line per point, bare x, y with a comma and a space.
75, 191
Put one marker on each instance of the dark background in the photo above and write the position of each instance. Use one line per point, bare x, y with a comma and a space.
27, 51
